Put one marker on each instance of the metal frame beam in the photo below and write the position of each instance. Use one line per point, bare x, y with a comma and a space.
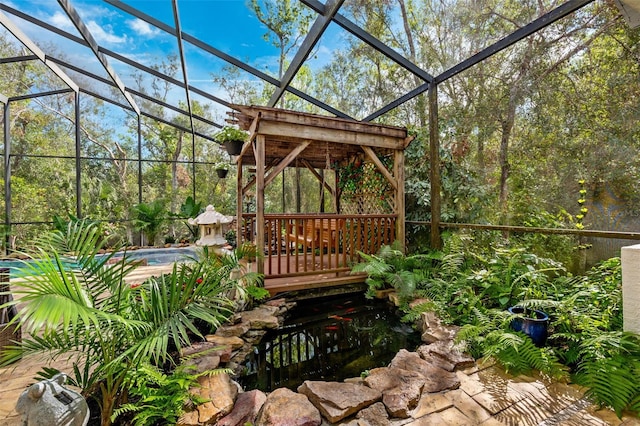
534, 26
41, 94
132, 91
185, 37
7, 173
24, 39
366, 37
93, 44
219, 54
317, 29
185, 76
18, 59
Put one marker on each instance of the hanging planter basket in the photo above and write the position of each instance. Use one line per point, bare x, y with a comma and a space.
222, 173
234, 147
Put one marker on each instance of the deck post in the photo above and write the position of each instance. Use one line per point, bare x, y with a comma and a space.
260, 168
398, 172
239, 201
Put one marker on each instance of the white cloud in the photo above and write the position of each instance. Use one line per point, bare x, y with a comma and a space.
142, 28
60, 20
102, 34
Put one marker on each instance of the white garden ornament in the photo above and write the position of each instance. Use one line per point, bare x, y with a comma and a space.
211, 227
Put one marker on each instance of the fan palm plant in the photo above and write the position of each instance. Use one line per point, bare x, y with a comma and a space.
76, 304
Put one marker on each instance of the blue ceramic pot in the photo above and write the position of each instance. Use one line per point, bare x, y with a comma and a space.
534, 324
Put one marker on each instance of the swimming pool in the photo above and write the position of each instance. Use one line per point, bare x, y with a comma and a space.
153, 256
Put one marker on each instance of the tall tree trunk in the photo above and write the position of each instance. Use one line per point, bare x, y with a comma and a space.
507, 128
421, 106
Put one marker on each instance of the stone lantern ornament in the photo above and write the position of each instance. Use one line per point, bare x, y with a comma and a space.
211, 227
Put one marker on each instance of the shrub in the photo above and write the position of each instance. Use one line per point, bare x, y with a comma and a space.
76, 304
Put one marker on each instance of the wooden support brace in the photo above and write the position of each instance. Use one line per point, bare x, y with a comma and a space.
372, 155
287, 160
317, 175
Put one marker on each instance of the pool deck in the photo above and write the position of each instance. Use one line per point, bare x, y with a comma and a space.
487, 395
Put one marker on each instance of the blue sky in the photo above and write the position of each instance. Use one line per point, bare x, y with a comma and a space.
228, 25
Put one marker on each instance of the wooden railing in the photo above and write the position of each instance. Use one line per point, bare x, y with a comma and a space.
306, 244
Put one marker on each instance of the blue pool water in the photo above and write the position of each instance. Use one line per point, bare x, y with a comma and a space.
154, 256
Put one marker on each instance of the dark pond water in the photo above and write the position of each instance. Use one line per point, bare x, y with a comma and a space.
331, 339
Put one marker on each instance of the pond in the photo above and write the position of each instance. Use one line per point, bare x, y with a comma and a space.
331, 339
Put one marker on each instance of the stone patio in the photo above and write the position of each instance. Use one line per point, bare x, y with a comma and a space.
486, 396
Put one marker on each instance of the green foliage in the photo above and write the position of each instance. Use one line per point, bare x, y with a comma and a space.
358, 176
148, 218
464, 197
229, 133
489, 335
473, 288
390, 268
76, 304
610, 367
160, 398
189, 209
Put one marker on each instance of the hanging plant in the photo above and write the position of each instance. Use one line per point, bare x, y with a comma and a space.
232, 139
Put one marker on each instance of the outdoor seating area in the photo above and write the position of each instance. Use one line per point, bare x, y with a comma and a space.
311, 234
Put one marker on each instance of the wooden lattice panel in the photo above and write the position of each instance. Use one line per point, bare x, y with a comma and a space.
372, 195
367, 203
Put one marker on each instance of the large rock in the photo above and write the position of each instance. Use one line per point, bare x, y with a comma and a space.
233, 330
234, 342
245, 410
261, 318
221, 392
200, 364
375, 415
287, 408
442, 333
197, 348
436, 379
448, 351
190, 418
338, 400
401, 389
433, 330
205, 356
435, 360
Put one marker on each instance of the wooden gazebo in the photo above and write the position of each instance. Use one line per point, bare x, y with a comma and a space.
303, 251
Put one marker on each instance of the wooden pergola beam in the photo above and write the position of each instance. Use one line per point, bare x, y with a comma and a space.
318, 134
243, 115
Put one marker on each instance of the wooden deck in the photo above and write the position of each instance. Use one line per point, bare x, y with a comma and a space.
309, 251
312, 275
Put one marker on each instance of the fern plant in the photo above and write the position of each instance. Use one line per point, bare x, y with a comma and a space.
160, 398
490, 336
610, 367
391, 268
